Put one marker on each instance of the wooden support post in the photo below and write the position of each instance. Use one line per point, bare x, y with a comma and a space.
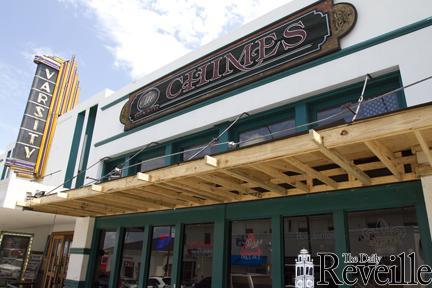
385, 155
312, 172
424, 146
340, 160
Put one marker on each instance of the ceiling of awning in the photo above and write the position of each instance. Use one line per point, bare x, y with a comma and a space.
386, 149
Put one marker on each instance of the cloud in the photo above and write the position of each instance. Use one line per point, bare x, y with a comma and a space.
33, 50
145, 35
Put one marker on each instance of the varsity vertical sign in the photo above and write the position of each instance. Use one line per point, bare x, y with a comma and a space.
35, 117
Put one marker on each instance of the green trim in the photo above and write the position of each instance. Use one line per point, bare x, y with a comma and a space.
116, 263
74, 284
73, 154
177, 255
221, 231
277, 267
145, 257
82, 251
92, 259
342, 53
341, 236
87, 145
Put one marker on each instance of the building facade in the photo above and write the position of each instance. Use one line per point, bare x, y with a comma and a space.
308, 128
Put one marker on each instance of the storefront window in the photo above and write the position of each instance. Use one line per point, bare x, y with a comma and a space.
313, 233
104, 258
190, 151
151, 164
261, 134
250, 259
161, 256
131, 257
385, 233
339, 114
197, 256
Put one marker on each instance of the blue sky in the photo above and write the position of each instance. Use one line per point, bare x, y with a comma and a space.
115, 42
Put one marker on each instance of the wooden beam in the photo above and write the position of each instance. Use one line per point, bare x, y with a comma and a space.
385, 155
228, 184
211, 161
199, 184
195, 192
256, 181
173, 193
97, 188
338, 158
311, 171
144, 177
155, 199
275, 173
424, 146
156, 196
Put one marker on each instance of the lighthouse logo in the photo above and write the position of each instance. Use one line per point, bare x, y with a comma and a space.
304, 270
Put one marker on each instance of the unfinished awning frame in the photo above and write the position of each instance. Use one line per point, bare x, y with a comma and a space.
384, 149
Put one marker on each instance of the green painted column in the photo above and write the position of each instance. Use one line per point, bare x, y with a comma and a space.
115, 264
301, 116
145, 257
169, 150
341, 238
177, 256
220, 253
277, 268
425, 235
224, 138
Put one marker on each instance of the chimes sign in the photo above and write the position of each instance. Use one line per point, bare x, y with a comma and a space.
305, 35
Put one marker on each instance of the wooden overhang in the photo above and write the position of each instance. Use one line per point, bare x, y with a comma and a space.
385, 149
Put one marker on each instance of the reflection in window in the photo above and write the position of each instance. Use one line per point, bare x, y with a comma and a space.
314, 233
367, 109
261, 134
104, 258
386, 232
151, 164
131, 257
197, 256
161, 255
250, 260
190, 151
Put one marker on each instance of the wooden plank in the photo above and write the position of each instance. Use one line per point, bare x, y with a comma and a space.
227, 184
209, 160
154, 195
171, 192
256, 181
97, 188
385, 155
199, 184
155, 199
424, 146
140, 201
338, 158
117, 204
144, 177
311, 171
275, 173
101, 209
195, 192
